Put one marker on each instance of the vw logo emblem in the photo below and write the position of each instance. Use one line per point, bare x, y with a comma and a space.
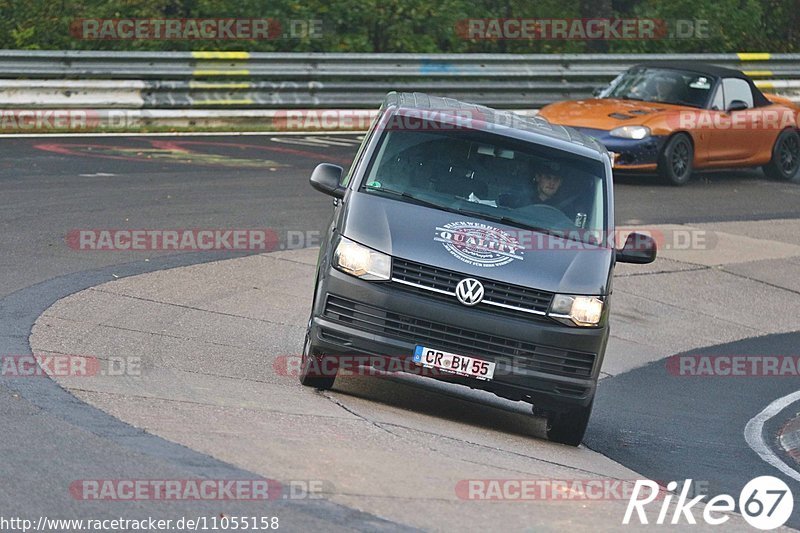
469, 291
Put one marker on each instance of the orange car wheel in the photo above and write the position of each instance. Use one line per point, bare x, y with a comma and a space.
675, 161
785, 156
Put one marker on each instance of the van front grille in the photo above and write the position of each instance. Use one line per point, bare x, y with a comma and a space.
431, 280
520, 354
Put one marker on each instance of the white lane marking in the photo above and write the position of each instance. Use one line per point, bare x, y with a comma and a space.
753, 434
176, 134
325, 141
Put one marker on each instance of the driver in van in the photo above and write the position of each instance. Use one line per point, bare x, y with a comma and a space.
547, 185
546, 189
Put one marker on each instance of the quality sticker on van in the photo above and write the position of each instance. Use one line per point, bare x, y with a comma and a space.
479, 244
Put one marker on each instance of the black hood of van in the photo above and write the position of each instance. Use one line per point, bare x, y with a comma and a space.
475, 246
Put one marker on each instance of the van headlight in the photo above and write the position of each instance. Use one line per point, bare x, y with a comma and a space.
577, 310
631, 132
362, 262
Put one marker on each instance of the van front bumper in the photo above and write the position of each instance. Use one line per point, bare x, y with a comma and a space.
538, 360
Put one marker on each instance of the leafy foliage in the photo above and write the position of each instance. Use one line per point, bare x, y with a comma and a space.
411, 25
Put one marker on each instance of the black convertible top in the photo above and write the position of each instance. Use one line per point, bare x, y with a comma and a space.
712, 70
700, 68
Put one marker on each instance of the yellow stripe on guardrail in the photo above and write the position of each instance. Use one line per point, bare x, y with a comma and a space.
754, 56
240, 72
219, 85
761, 84
221, 55
758, 73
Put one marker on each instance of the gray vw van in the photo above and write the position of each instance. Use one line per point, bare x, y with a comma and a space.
474, 246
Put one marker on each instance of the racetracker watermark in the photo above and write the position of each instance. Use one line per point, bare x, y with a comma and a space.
25, 120
50, 119
173, 239
193, 29
450, 119
221, 522
29, 120
322, 119
753, 119
468, 237
68, 366
198, 489
548, 489
480, 239
694, 365
444, 119
191, 240
12, 120
581, 29
358, 365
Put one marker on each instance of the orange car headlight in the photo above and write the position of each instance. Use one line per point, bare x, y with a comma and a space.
631, 132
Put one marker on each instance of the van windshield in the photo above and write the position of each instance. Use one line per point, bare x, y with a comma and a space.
493, 177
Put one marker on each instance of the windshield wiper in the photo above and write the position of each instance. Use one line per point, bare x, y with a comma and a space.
480, 214
686, 103
510, 221
521, 224
411, 198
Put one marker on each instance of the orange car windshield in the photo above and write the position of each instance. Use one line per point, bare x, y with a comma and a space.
661, 85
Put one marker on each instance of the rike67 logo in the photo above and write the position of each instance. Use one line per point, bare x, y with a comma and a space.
765, 503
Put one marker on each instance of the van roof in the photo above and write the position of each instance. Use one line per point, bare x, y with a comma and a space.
513, 124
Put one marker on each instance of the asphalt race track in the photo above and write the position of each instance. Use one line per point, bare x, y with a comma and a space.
663, 429
49, 439
693, 428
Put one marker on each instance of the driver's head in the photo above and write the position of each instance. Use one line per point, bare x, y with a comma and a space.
548, 181
665, 87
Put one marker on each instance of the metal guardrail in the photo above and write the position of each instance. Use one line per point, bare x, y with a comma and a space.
242, 80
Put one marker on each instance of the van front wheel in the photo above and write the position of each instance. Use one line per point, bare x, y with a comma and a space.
569, 427
316, 371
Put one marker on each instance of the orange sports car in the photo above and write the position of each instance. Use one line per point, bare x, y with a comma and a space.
673, 118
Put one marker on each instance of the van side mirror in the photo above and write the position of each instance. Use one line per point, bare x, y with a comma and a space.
737, 105
326, 178
639, 248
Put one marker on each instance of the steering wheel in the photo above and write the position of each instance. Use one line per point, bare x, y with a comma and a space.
549, 208
548, 213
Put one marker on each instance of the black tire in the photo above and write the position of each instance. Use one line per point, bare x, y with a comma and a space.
311, 366
676, 160
785, 156
569, 427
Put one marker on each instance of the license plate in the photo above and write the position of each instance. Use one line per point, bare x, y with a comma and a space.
461, 365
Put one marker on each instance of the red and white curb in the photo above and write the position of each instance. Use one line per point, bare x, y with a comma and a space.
789, 438
754, 434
